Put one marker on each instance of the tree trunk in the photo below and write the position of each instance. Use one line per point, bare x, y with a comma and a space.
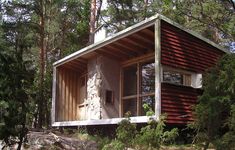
41, 68
92, 21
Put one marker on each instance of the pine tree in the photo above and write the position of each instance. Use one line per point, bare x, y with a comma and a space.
215, 113
16, 76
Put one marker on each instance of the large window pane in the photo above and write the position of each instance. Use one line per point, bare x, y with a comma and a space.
131, 106
130, 81
148, 77
150, 101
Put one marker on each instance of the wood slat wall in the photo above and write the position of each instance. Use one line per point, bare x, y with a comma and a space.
177, 102
67, 95
181, 50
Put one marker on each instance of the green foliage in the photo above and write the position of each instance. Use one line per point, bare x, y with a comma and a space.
152, 136
215, 111
148, 109
15, 78
214, 19
115, 144
126, 132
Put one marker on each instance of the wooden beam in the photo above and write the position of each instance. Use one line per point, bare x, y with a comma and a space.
158, 68
134, 42
132, 48
54, 114
62, 107
138, 91
120, 94
82, 60
70, 67
138, 59
148, 32
70, 111
143, 39
120, 51
78, 65
124, 50
109, 54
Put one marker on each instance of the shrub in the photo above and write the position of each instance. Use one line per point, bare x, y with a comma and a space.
153, 135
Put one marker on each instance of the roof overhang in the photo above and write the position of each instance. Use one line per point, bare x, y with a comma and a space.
128, 31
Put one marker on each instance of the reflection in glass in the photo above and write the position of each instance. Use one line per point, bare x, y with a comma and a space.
173, 77
130, 105
147, 78
130, 81
150, 101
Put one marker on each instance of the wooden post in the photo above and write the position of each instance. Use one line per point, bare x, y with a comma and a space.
158, 68
54, 97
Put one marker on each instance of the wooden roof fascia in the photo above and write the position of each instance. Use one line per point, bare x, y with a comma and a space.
130, 30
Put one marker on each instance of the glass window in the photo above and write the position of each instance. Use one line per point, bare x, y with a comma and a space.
130, 81
150, 101
175, 77
140, 76
148, 77
131, 106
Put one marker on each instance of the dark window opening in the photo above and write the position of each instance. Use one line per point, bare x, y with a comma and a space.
176, 77
108, 97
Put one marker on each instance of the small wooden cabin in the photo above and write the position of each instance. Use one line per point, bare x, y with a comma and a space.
155, 62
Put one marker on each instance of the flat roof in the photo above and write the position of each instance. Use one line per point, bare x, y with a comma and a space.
132, 29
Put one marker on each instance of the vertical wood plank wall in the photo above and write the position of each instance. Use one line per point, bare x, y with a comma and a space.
181, 50
67, 95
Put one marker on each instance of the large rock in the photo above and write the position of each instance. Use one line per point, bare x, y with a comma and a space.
44, 140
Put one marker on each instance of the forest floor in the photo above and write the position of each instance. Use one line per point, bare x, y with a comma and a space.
48, 140
55, 140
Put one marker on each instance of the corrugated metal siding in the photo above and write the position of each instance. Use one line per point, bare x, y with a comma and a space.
177, 102
182, 50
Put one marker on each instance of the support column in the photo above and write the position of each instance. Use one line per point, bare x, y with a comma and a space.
53, 96
157, 32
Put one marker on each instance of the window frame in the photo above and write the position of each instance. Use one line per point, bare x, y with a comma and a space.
138, 96
183, 73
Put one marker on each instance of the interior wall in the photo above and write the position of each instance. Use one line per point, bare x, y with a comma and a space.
103, 74
110, 72
67, 94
